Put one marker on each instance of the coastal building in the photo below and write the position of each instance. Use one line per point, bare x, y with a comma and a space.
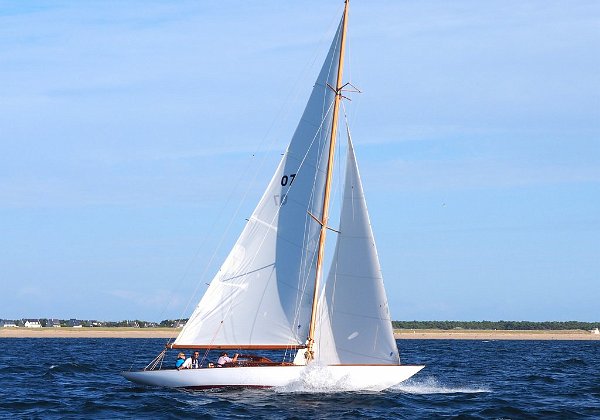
74, 323
53, 323
7, 323
32, 323
595, 331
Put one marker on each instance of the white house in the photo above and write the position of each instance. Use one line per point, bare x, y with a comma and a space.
8, 324
32, 323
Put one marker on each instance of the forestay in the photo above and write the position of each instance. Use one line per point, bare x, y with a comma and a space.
261, 295
355, 325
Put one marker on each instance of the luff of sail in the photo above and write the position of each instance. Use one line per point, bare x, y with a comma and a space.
355, 325
261, 296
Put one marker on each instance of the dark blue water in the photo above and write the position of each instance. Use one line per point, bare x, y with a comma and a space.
75, 378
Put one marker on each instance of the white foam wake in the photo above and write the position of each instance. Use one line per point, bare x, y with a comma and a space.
316, 378
430, 385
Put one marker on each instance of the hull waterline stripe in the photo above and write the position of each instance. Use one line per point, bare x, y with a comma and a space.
207, 387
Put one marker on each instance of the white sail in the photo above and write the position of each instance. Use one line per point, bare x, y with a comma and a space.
355, 325
262, 294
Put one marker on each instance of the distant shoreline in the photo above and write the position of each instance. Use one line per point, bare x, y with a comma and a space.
91, 332
122, 332
495, 335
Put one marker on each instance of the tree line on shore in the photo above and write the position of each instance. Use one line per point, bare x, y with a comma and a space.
52, 322
495, 325
403, 325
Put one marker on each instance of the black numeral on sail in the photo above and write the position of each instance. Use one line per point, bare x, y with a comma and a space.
285, 179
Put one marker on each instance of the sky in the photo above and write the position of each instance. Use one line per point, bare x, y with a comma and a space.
137, 136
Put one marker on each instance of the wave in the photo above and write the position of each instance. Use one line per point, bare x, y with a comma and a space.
540, 378
431, 385
15, 369
70, 368
316, 378
571, 362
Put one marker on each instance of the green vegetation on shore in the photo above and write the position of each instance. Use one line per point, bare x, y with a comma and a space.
398, 325
494, 325
81, 323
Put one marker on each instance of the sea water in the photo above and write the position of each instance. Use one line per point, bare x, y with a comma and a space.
76, 378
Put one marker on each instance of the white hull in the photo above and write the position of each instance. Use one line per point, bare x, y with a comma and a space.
345, 377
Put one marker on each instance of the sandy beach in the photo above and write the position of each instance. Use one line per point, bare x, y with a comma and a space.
399, 334
68, 332
495, 335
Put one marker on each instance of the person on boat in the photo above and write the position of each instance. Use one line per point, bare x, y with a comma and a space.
226, 359
180, 360
191, 362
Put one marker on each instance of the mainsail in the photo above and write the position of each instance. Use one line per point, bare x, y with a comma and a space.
355, 325
261, 296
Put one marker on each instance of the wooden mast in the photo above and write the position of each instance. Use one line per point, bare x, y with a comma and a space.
325, 213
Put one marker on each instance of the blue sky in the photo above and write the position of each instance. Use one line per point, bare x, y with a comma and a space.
131, 131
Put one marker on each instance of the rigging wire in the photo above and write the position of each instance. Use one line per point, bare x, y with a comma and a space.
275, 216
307, 266
337, 195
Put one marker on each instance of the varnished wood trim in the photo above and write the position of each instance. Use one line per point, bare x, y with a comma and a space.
235, 347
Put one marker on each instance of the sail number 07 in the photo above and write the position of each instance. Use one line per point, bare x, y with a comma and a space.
286, 178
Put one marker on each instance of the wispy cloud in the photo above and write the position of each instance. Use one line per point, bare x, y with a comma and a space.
465, 174
149, 299
30, 292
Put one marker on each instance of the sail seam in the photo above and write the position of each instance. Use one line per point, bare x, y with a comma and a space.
275, 216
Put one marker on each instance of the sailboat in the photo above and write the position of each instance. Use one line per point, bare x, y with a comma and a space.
269, 295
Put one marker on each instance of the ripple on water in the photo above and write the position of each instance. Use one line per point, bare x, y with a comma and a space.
79, 378
540, 378
572, 361
431, 385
